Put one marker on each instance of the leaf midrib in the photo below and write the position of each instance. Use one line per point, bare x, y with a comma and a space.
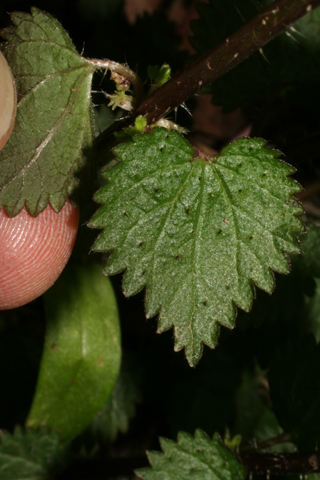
225, 190
151, 175
256, 184
163, 225
54, 129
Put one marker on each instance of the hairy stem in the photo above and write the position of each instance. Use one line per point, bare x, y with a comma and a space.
121, 70
218, 61
271, 21
268, 442
285, 463
256, 463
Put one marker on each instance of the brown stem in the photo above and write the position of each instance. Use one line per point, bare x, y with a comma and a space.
268, 442
257, 463
269, 463
271, 21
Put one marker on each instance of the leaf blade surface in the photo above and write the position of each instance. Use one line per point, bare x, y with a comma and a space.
197, 232
82, 352
28, 455
44, 153
195, 458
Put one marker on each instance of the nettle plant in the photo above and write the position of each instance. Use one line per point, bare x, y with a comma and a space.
201, 234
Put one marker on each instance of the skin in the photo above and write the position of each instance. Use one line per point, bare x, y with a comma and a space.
33, 252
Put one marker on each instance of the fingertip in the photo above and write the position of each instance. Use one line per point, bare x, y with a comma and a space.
33, 252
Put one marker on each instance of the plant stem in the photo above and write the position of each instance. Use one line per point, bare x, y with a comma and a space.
270, 463
240, 45
256, 463
268, 442
271, 21
129, 74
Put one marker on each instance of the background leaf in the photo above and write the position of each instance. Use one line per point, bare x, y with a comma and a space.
276, 318
121, 405
313, 311
255, 418
29, 455
195, 458
44, 157
309, 263
82, 351
295, 389
197, 232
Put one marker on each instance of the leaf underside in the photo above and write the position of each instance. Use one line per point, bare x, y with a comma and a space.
197, 233
43, 157
195, 458
82, 351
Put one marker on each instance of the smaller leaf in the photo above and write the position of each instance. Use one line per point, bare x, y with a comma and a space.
309, 263
313, 311
44, 156
197, 458
158, 76
82, 351
29, 455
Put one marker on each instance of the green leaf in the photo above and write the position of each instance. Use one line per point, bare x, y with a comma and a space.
309, 263
313, 311
251, 401
44, 156
197, 232
81, 357
254, 415
276, 318
120, 407
158, 76
28, 455
195, 458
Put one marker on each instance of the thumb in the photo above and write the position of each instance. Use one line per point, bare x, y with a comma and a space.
33, 252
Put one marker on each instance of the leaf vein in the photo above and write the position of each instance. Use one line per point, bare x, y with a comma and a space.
44, 143
165, 221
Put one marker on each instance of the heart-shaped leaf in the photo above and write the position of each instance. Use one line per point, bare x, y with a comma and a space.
197, 232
